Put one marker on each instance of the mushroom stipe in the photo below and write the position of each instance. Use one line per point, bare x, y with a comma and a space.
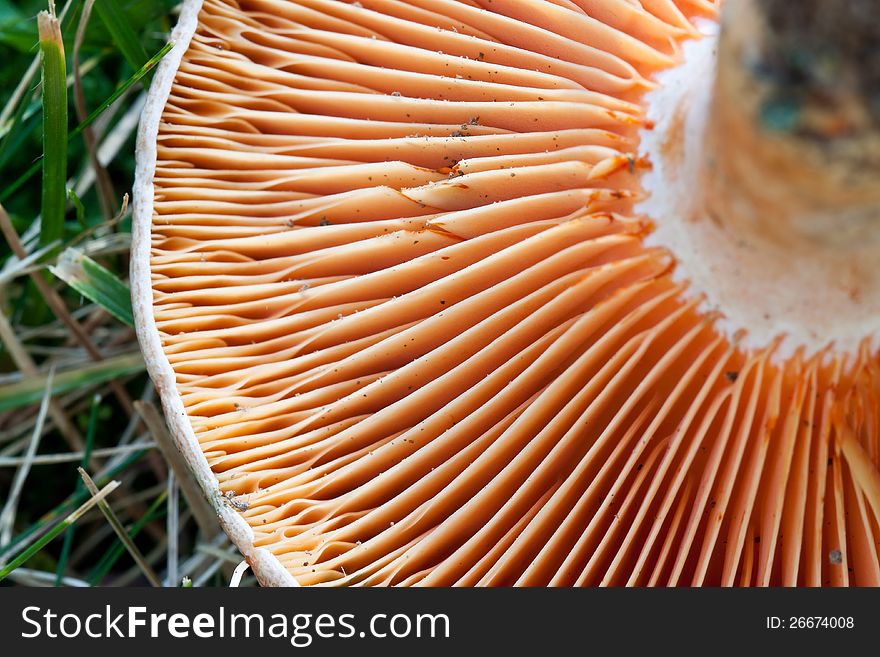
396, 278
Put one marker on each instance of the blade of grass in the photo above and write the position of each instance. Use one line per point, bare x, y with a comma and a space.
13, 268
7, 516
26, 365
21, 89
16, 131
38, 528
209, 574
15, 134
121, 533
106, 193
53, 300
125, 86
79, 207
204, 515
30, 577
172, 520
124, 36
54, 85
96, 283
86, 234
134, 79
70, 457
231, 557
112, 556
44, 540
84, 462
29, 390
131, 575
29, 111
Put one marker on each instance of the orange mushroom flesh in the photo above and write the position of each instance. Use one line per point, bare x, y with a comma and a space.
397, 271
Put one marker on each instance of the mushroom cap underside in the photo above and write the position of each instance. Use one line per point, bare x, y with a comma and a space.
391, 285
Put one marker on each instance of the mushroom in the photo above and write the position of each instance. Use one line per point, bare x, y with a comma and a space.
516, 292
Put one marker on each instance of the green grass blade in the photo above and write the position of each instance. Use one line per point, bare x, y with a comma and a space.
118, 549
57, 529
80, 486
134, 79
121, 534
124, 36
96, 283
79, 207
54, 80
15, 133
17, 130
18, 100
125, 86
21, 180
30, 390
39, 527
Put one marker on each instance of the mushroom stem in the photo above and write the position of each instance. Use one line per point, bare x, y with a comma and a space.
794, 131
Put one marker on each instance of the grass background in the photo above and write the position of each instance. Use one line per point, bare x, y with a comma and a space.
72, 387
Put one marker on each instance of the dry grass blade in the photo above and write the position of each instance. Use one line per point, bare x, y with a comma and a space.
203, 514
46, 538
28, 367
113, 142
172, 530
7, 516
106, 194
123, 536
13, 268
29, 577
56, 304
71, 457
226, 556
29, 390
